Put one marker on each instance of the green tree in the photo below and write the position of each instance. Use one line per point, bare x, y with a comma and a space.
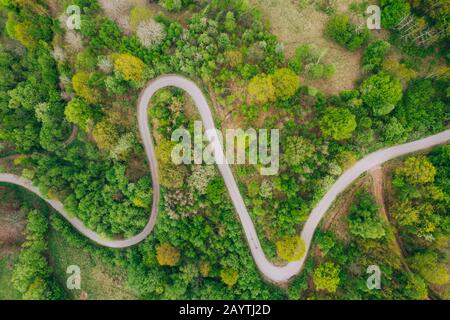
229, 276
230, 22
416, 288
79, 112
326, 277
298, 150
375, 54
286, 83
261, 89
363, 220
291, 248
346, 33
381, 93
105, 135
129, 66
171, 175
428, 266
393, 11
338, 124
417, 170
82, 87
167, 255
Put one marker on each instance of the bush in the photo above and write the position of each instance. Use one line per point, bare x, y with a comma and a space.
428, 266
172, 5
110, 35
321, 71
345, 33
86, 60
363, 220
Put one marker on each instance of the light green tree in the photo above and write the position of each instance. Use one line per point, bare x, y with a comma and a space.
291, 248
338, 124
326, 277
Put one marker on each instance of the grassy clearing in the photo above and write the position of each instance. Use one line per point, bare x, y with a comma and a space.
295, 25
98, 281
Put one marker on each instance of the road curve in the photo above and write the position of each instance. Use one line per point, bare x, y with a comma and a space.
273, 273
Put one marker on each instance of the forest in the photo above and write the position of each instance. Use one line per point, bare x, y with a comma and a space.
68, 123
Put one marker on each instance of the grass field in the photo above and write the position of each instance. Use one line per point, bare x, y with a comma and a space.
98, 282
295, 25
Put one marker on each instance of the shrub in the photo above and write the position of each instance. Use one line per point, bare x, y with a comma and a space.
105, 135
345, 33
23, 35
172, 5
86, 60
110, 35
399, 70
428, 267
297, 150
116, 84
418, 170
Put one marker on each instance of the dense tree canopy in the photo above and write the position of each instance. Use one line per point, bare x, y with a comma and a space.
338, 123
381, 93
326, 277
363, 220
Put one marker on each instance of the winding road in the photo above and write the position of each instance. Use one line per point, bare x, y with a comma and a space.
277, 274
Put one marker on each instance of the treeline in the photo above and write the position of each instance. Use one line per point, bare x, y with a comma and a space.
32, 275
420, 209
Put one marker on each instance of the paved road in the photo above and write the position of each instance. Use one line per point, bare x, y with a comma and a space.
273, 273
